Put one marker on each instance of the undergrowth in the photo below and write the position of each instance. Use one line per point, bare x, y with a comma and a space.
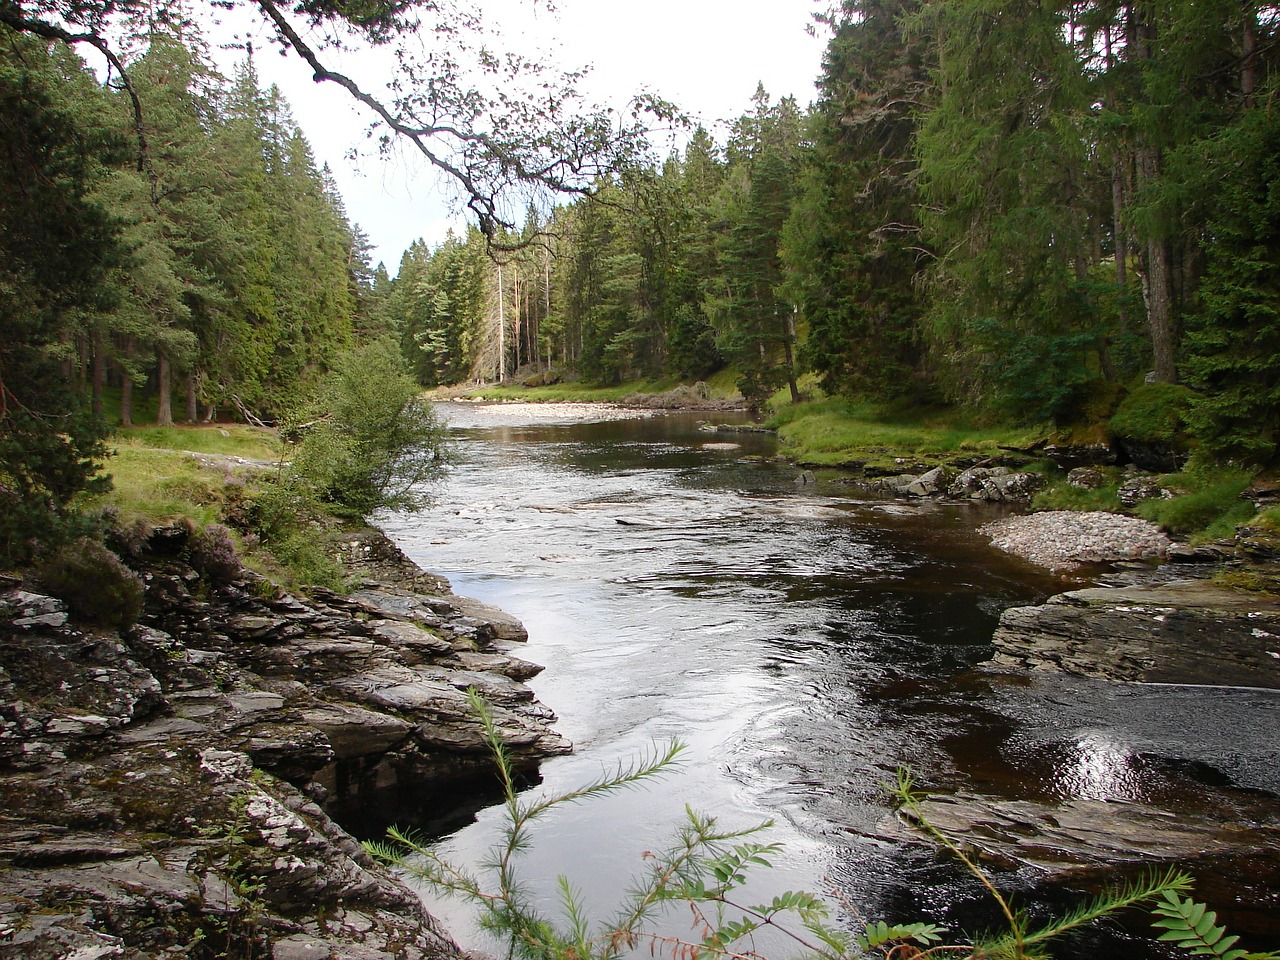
1207, 504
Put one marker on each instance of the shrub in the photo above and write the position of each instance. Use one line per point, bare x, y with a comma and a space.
213, 554
94, 584
369, 441
1154, 413
287, 521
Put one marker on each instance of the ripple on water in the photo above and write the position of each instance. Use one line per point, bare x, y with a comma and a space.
807, 645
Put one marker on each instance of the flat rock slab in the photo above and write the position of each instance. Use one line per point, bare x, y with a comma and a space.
1062, 539
1083, 836
1189, 632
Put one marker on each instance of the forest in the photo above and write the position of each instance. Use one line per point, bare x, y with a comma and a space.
1024, 209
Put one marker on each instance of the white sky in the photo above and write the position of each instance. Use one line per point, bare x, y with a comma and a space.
705, 55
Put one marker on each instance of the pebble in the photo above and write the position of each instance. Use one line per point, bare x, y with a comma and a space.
1061, 539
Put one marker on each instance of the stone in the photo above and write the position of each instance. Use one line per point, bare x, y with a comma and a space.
930, 484
1068, 456
1143, 487
1180, 632
213, 724
1086, 478
1061, 539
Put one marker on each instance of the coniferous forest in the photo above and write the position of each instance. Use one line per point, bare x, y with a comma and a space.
1026, 209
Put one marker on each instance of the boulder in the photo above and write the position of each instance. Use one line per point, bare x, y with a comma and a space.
1142, 487
996, 484
1086, 478
1068, 456
930, 484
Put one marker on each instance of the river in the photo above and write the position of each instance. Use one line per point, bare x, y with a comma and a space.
804, 640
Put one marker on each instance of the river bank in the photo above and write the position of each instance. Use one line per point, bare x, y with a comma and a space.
189, 786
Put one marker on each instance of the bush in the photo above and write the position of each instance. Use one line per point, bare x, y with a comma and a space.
288, 522
93, 583
369, 441
213, 554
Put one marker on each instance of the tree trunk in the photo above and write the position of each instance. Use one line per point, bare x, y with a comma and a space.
193, 402
1158, 284
1121, 241
164, 403
502, 332
791, 366
1158, 275
1249, 60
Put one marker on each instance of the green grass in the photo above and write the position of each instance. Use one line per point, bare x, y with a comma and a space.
158, 486
1208, 506
842, 432
1061, 495
234, 440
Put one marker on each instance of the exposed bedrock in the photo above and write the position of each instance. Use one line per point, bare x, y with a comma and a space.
184, 781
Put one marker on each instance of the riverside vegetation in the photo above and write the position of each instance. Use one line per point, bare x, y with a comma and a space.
1055, 222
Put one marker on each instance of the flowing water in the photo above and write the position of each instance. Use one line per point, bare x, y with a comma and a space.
804, 640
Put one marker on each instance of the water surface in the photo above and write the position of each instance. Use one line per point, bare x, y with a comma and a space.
804, 640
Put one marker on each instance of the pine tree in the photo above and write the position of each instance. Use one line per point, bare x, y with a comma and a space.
59, 247
852, 246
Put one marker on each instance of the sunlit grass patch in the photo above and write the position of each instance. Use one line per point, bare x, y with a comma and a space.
839, 431
157, 486
234, 440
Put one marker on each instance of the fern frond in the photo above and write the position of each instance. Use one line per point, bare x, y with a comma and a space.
625, 776
1193, 927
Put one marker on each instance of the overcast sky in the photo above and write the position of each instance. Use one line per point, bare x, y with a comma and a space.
705, 55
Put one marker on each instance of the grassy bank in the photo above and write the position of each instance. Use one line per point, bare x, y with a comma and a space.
837, 432
219, 474
1204, 502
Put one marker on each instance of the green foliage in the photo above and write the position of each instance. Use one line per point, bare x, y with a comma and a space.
851, 245
285, 518
58, 246
93, 583
1192, 926
1209, 505
371, 442
1154, 413
1233, 340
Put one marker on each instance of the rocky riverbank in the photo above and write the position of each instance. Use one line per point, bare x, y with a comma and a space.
181, 788
1088, 652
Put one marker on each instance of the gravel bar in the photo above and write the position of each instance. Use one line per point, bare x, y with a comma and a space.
1061, 539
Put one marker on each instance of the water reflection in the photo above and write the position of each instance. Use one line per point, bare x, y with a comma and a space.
1098, 766
804, 641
